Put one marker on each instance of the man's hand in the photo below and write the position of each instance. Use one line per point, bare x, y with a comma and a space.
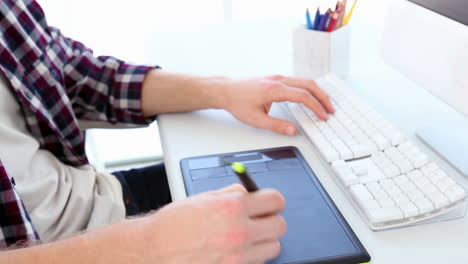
229, 226
222, 227
250, 101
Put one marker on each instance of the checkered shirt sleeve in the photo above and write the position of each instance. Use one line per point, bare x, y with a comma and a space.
15, 224
100, 88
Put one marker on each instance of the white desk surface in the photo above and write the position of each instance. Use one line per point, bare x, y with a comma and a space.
261, 48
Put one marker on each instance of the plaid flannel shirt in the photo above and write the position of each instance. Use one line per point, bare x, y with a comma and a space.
57, 81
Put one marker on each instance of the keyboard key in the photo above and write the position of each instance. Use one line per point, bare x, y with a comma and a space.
386, 202
349, 140
379, 157
324, 127
414, 195
401, 199
310, 129
393, 154
415, 175
330, 135
370, 178
360, 170
353, 129
445, 183
318, 139
385, 214
424, 205
396, 138
393, 190
387, 183
371, 205
297, 112
412, 152
343, 150
339, 164
409, 210
406, 147
421, 182
379, 194
372, 146
419, 160
381, 141
438, 200
455, 193
429, 189
373, 186
360, 151
391, 171
408, 187
361, 193
401, 180
426, 170
346, 176
405, 166
330, 154
437, 175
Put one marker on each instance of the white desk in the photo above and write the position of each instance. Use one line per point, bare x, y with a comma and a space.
252, 49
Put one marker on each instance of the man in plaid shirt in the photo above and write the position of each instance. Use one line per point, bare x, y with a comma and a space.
53, 82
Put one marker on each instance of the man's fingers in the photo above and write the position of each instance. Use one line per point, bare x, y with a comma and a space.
274, 124
311, 86
262, 252
298, 95
265, 202
268, 228
231, 189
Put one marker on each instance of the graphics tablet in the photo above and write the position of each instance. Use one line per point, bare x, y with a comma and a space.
317, 232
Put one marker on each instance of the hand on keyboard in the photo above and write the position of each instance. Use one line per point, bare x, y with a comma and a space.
389, 179
251, 100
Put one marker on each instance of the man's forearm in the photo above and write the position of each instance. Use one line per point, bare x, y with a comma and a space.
64, 251
165, 92
102, 246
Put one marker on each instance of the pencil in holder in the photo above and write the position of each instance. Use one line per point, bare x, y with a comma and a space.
317, 53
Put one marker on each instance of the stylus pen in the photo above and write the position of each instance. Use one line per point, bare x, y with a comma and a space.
244, 177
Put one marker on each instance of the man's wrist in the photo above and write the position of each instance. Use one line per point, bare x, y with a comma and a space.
216, 91
165, 92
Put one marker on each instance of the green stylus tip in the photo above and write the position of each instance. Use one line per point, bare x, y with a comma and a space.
238, 167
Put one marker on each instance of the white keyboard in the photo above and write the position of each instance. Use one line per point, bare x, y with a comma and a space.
388, 178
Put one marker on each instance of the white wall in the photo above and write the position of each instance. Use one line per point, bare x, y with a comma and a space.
118, 27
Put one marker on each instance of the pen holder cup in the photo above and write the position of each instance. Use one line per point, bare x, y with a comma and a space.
317, 53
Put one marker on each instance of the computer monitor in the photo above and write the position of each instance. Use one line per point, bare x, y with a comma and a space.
432, 51
453, 9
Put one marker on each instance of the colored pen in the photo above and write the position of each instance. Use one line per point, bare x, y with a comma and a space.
343, 12
309, 22
340, 11
350, 13
333, 22
323, 22
244, 177
329, 13
317, 19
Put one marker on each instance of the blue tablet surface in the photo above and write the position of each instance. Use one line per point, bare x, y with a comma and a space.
317, 232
